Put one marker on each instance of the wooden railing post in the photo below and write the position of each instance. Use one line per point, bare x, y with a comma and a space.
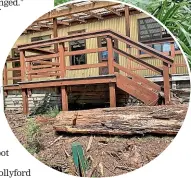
64, 93
23, 66
112, 93
127, 23
166, 79
5, 81
24, 91
29, 69
55, 33
110, 55
172, 49
62, 61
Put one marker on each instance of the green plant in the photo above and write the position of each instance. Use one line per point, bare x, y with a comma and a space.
32, 132
52, 112
57, 2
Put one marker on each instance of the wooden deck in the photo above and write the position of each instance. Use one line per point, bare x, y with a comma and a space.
37, 67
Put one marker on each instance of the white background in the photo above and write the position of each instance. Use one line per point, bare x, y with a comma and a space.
174, 162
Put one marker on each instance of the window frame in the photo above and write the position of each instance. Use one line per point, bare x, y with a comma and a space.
116, 44
50, 36
161, 41
32, 38
170, 53
73, 33
13, 52
151, 40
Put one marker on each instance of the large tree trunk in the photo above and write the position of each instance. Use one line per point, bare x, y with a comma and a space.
123, 121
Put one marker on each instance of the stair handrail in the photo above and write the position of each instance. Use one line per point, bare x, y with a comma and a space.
142, 47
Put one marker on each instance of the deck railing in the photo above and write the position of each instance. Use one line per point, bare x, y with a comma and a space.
54, 64
14, 71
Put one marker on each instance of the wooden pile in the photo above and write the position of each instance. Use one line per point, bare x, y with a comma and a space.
165, 120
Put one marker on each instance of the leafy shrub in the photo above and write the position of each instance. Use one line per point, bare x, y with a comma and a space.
52, 112
32, 133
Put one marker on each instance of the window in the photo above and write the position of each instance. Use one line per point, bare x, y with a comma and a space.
150, 30
155, 36
166, 47
102, 43
40, 38
158, 47
176, 46
15, 53
75, 46
161, 47
104, 55
80, 58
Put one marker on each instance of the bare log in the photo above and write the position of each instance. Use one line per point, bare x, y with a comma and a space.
124, 121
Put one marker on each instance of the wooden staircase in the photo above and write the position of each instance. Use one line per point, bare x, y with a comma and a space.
135, 85
137, 90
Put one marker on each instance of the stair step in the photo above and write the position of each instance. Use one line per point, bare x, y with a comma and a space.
138, 91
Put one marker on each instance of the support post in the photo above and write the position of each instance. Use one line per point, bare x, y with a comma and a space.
55, 33
110, 55
127, 29
62, 61
5, 75
25, 101
166, 79
29, 69
112, 95
5, 81
172, 49
64, 98
64, 94
22, 62
24, 91
127, 21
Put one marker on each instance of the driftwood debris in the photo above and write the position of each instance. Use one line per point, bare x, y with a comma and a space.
165, 120
56, 140
89, 144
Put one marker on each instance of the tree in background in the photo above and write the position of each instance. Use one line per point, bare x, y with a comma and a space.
174, 14
57, 2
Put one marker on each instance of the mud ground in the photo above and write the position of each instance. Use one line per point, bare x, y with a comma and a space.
112, 155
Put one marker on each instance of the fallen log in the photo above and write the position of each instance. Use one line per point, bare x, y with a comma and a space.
124, 121
70, 130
